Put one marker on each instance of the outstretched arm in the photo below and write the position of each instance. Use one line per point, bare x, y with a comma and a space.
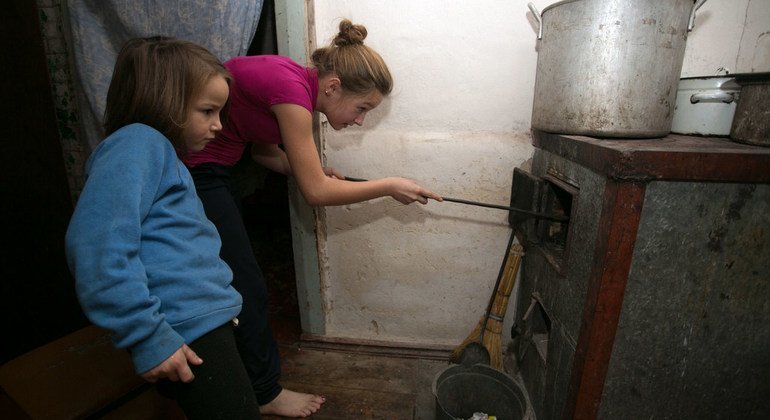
321, 190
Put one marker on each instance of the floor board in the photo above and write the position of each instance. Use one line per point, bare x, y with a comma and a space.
361, 386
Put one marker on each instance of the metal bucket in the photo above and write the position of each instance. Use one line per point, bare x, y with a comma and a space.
461, 391
610, 68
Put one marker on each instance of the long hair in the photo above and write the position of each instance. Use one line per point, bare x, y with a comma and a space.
154, 82
359, 68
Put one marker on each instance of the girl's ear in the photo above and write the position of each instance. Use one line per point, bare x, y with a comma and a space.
331, 84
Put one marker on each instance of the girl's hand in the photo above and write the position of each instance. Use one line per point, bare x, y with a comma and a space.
176, 367
407, 191
332, 173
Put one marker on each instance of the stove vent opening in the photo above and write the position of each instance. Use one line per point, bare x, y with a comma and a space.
558, 198
547, 204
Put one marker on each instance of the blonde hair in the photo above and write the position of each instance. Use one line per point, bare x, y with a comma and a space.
359, 68
154, 82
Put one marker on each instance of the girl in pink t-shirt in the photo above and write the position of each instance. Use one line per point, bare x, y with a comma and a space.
272, 100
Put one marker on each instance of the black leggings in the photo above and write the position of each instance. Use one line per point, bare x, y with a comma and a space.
253, 334
221, 388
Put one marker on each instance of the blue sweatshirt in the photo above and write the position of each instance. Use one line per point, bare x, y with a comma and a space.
144, 256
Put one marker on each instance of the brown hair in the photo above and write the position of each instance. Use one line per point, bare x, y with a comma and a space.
359, 68
154, 82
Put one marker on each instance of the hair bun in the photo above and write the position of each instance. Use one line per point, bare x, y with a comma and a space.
350, 34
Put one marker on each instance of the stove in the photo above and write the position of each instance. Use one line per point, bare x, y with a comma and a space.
653, 299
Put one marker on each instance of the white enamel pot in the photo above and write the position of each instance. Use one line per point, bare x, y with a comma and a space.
705, 106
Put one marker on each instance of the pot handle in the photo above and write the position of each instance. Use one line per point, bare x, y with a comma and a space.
695, 7
536, 13
712, 97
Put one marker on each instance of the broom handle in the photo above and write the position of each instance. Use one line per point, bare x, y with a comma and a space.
500, 305
500, 275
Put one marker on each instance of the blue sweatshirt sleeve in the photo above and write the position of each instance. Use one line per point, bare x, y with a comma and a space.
103, 243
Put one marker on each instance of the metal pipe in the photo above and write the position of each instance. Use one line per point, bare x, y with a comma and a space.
488, 205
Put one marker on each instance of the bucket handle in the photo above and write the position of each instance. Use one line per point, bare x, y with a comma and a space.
695, 7
717, 97
539, 20
536, 13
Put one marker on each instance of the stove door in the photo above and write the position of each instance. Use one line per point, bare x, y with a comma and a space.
547, 195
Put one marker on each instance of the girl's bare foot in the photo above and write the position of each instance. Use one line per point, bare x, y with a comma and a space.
293, 404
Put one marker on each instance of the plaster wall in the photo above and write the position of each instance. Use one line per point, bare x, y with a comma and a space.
458, 123
731, 34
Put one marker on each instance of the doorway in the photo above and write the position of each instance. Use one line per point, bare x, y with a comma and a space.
265, 204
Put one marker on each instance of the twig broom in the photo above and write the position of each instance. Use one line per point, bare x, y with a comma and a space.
490, 342
494, 324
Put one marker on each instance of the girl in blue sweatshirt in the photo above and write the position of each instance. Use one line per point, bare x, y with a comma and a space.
144, 255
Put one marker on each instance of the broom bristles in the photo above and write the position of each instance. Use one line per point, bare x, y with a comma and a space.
494, 325
493, 346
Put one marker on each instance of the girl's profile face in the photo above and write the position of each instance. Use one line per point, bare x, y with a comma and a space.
203, 122
351, 110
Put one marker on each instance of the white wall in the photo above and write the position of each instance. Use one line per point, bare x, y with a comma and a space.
733, 34
458, 123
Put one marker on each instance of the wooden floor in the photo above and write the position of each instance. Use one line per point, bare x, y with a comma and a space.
360, 386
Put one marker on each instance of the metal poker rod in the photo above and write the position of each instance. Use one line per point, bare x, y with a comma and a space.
488, 205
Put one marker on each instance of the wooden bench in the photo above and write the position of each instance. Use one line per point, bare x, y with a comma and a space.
79, 376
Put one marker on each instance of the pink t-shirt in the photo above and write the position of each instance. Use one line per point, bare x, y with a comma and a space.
259, 82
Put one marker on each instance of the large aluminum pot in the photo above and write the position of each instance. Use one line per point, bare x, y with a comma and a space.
610, 68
